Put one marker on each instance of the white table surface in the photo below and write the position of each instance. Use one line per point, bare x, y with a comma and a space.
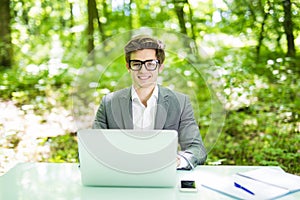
62, 181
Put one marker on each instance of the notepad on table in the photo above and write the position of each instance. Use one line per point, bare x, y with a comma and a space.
263, 183
277, 178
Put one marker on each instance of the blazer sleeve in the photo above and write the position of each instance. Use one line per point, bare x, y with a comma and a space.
100, 121
192, 147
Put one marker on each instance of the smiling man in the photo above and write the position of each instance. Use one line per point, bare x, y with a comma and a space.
147, 106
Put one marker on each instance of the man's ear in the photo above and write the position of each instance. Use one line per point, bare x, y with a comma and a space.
161, 67
127, 66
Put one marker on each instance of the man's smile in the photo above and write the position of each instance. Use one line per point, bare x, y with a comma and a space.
144, 76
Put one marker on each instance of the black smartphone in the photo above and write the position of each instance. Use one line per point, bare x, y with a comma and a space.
188, 186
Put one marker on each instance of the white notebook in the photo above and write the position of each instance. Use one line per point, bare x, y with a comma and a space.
263, 183
278, 178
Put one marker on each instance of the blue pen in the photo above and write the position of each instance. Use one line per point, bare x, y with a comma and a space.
243, 188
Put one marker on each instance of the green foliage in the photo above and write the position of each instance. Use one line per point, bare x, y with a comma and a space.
63, 148
259, 138
266, 131
35, 85
260, 88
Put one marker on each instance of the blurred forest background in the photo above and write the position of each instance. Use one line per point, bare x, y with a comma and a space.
252, 44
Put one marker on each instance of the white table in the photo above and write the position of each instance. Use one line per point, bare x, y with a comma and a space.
53, 181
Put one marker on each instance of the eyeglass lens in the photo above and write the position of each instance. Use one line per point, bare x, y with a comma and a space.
149, 64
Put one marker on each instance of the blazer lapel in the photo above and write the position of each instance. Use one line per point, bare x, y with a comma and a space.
162, 109
126, 109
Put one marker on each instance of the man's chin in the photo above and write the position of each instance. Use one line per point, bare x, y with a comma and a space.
146, 84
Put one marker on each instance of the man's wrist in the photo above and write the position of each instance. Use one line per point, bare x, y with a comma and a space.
183, 164
186, 158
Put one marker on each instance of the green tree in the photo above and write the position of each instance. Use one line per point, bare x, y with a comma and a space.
289, 28
251, 52
6, 55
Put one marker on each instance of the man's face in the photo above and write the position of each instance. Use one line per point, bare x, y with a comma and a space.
144, 78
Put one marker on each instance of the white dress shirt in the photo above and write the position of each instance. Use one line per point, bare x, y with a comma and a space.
144, 117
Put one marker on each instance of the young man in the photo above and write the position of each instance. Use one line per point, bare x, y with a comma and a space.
147, 105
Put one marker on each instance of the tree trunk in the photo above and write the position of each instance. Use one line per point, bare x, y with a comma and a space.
192, 26
93, 15
261, 36
262, 29
6, 54
180, 15
288, 28
105, 11
90, 26
96, 16
130, 15
71, 14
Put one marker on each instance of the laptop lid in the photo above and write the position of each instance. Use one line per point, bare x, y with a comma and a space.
132, 158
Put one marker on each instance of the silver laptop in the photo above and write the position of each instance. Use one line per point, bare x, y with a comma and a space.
130, 158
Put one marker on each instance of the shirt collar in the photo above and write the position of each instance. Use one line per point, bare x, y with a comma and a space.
134, 94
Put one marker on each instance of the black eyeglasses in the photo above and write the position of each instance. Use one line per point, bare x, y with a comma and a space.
150, 65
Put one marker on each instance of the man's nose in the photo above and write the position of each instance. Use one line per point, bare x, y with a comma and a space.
143, 68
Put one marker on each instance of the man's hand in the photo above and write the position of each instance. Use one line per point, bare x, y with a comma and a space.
178, 161
181, 162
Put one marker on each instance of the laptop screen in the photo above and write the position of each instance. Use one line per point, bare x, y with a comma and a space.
148, 156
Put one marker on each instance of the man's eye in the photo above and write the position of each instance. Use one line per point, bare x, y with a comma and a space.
151, 64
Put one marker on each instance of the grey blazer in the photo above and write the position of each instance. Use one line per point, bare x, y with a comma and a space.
174, 112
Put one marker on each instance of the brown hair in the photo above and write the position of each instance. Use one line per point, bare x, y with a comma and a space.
145, 42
